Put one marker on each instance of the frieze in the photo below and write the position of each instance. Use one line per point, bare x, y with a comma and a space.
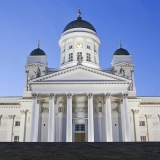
156, 123
11, 116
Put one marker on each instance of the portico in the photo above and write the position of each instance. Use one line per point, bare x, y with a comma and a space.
82, 115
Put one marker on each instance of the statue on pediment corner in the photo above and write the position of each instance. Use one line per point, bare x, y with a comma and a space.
38, 72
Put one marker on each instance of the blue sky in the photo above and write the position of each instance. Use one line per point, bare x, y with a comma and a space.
135, 22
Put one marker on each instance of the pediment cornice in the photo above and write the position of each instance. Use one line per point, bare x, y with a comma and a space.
46, 78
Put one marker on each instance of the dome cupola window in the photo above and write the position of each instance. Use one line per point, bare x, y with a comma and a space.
70, 57
88, 58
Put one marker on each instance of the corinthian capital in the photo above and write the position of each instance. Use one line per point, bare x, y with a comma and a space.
135, 111
90, 95
149, 116
34, 95
125, 95
69, 95
52, 95
11, 116
22, 111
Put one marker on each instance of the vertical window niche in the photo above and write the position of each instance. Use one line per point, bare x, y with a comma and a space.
70, 57
88, 57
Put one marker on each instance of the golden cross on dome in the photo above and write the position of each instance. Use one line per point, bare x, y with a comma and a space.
79, 12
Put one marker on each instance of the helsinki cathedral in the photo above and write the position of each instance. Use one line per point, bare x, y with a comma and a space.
79, 101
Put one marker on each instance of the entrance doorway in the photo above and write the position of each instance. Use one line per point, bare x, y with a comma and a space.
79, 137
79, 134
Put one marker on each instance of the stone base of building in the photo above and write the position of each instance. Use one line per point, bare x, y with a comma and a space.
76, 151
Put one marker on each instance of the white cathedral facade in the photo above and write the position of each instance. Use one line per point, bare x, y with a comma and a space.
79, 101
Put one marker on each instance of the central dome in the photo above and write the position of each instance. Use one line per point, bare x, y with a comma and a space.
79, 23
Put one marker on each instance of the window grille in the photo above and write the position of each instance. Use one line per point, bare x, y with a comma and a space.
16, 138
143, 138
88, 47
70, 47
141, 123
88, 58
79, 54
70, 57
17, 123
79, 127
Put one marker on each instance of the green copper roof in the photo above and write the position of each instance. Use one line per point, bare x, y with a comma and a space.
37, 52
121, 51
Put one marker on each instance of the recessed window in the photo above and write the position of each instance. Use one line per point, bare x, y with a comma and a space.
95, 61
70, 57
70, 47
88, 58
79, 127
60, 109
143, 138
88, 47
115, 124
63, 59
141, 123
16, 138
79, 54
17, 123
44, 124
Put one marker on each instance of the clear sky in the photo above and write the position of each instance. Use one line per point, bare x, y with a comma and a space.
135, 22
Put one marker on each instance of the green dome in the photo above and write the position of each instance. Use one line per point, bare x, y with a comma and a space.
79, 23
37, 52
121, 51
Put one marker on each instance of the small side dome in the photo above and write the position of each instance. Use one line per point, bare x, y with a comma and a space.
121, 51
38, 51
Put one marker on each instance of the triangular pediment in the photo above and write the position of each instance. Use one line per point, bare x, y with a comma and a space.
79, 73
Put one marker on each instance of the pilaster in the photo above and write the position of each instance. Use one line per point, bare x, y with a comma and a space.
10, 127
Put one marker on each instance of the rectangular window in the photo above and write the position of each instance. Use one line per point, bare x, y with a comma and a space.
95, 60
79, 127
79, 54
88, 47
16, 138
63, 59
143, 138
70, 57
141, 123
70, 47
60, 109
17, 123
88, 58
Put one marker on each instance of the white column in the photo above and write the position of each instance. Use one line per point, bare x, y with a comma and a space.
133, 82
127, 136
136, 121
90, 118
51, 119
22, 125
0, 119
26, 81
34, 126
108, 119
69, 119
10, 127
149, 122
